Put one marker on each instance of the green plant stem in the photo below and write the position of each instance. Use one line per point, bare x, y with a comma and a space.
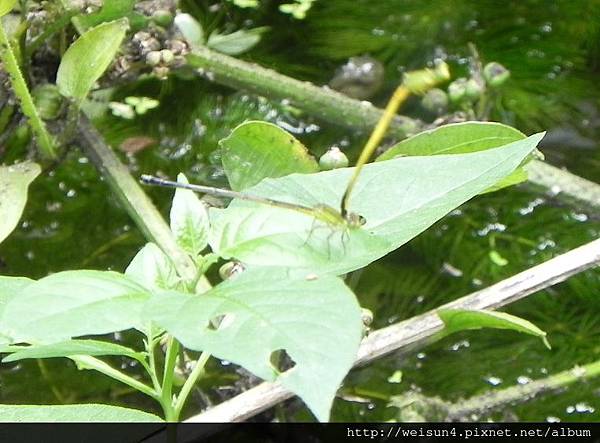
167, 384
322, 102
521, 393
190, 382
133, 198
88, 362
21, 90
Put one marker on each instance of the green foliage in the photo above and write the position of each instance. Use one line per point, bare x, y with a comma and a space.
72, 347
189, 220
404, 196
462, 138
249, 317
6, 6
14, 183
86, 60
88, 413
462, 319
257, 150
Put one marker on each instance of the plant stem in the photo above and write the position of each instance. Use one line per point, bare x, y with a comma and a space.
167, 383
190, 382
324, 103
88, 362
521, 393
21, 90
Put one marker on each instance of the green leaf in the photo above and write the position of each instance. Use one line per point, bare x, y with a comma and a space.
14, 182
9, 287
461, 138
237, 42
152, 268
257, 150
399, 198
189, 220
73, 303
462, 319
73, 347
315, 319
86, 60
191, 29
111, 10
6, 6
90, 413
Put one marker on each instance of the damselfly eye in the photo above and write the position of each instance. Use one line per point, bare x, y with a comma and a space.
361, 220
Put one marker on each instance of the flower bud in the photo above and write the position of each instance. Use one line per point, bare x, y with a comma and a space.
473, 89
457, 90
334, 158
153, 58
162, 17
167, 56
495, 74
435, 100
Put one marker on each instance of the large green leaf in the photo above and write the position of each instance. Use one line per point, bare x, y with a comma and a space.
458, 138
399, 198
73, 303
315, 319
257, 150
189, 220
6, 6
90, 413
152, 268
461, 138
86, 60
463, 319
14, 182
9, 287
73, 347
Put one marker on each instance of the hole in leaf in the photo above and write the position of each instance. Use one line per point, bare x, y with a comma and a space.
219, 322
281, 361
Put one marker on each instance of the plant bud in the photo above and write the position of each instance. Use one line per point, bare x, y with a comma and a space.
48, 101
473, 89
153, 58
457, 90
495, 74
167, 56
162, 17
436, 101
334, 158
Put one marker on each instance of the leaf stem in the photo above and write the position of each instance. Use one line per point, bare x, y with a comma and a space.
44, 139
167, 383
88, 362
190, 382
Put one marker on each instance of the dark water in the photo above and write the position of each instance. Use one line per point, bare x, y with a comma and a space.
72, 221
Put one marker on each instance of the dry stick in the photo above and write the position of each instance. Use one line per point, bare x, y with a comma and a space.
136, 202
417, 331
339, 109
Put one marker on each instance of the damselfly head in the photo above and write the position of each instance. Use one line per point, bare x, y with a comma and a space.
355, 220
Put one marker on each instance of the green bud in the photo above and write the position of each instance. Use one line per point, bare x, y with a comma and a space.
457, 90
162, 17
495, 74
167, 56
334, 158
435, 100
48, 101
153, 58
366, 316
473, 89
